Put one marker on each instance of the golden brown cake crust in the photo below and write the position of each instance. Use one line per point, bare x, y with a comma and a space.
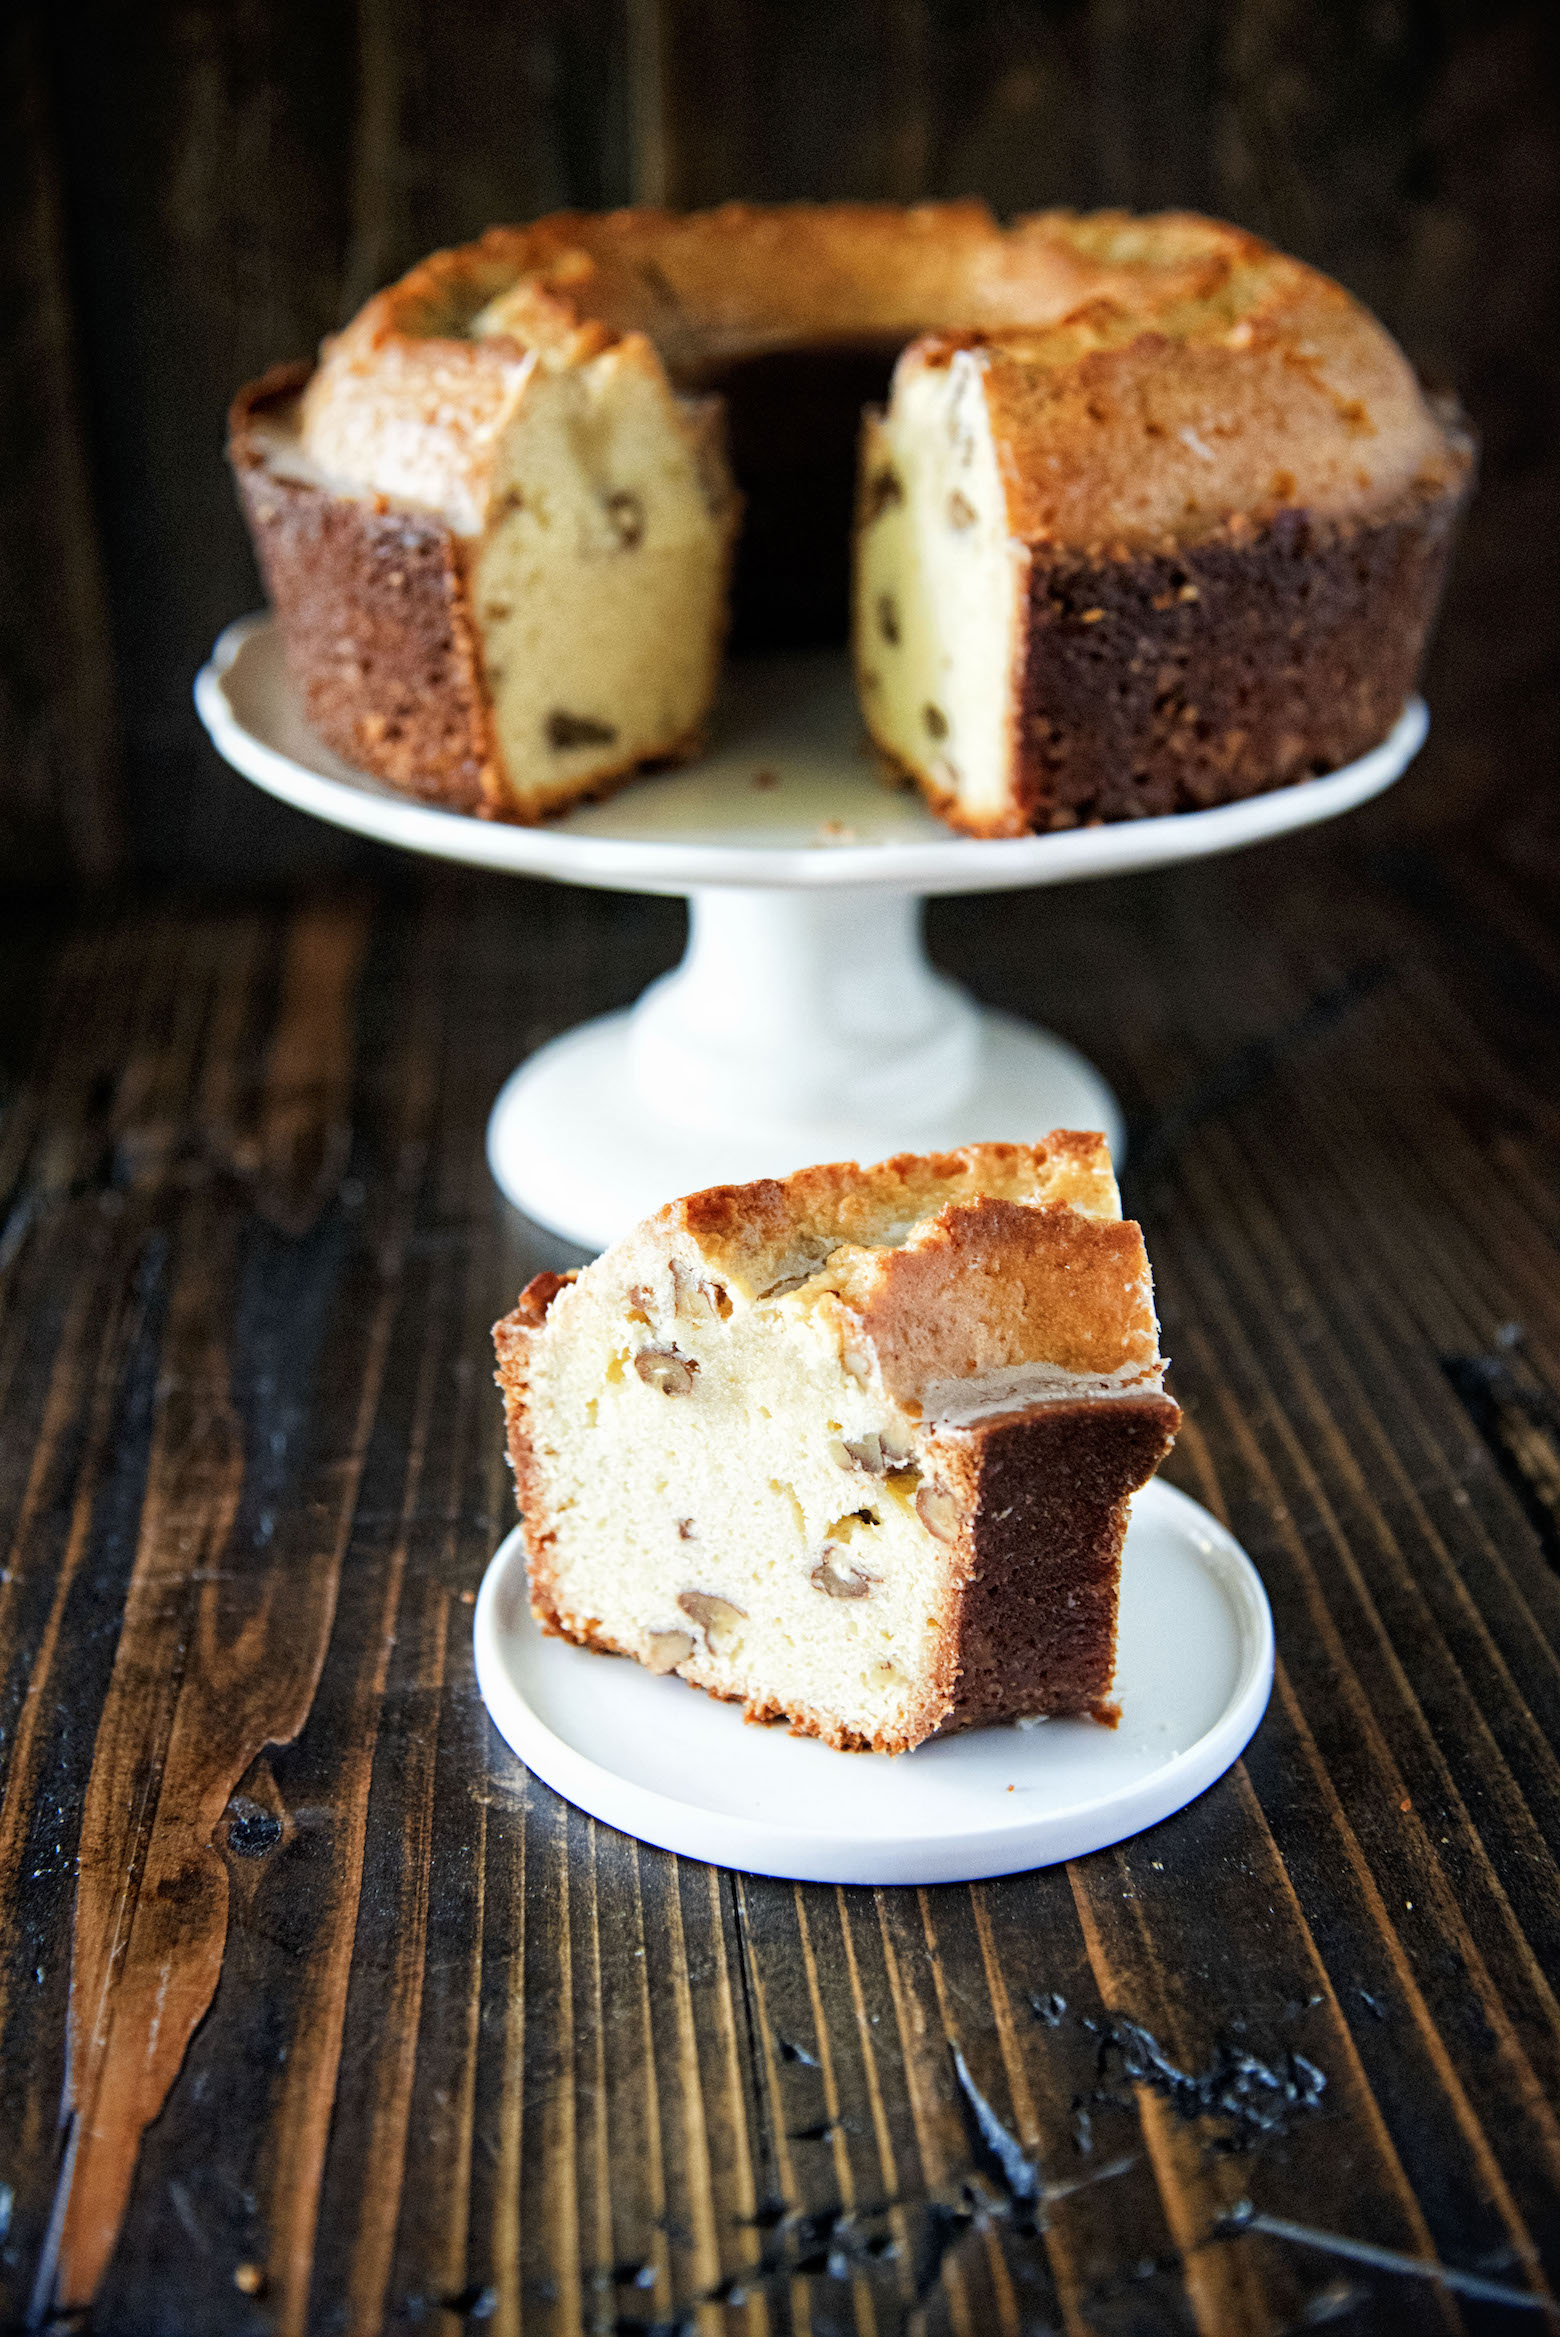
1261, 654
375, 619
1150, 421
990, 1282
735, 280
1146, 377
757, 1232
512, 1336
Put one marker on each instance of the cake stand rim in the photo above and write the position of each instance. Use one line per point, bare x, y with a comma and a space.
949, 864
761, 1846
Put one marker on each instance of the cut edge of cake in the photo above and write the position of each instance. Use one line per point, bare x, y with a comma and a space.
854, 1448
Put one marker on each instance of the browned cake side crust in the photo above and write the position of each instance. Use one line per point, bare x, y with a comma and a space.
1034, 1625
1261, 655
375, 621
756, 1232
374, 608
989, 1280
511, 1343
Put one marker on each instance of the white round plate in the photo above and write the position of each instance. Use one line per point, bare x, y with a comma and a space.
786, 795
664, 1762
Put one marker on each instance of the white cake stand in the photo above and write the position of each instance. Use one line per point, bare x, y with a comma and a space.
805, 1022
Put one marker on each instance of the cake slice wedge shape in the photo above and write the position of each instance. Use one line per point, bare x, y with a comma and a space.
853, 1448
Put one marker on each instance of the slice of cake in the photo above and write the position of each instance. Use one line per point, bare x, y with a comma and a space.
855, 1448
1180, 546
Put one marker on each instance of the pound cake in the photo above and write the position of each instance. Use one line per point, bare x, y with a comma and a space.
1154, 518
853, 1448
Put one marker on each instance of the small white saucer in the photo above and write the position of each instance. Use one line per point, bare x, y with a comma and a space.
670, 1765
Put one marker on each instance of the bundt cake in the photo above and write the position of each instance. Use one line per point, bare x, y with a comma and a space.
854, 1448
1154, 517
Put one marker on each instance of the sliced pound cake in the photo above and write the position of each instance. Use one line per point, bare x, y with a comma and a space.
1155, 517
853, 1448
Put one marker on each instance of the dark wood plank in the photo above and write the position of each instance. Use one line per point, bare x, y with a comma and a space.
60, 811
215, 1658
461, 2048
481, 2045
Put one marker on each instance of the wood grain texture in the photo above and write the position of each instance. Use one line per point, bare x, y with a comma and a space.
317, 2013
59, 721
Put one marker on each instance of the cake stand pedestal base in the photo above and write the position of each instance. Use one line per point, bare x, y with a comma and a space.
799, 1027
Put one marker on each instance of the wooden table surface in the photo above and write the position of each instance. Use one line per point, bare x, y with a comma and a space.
320, 2015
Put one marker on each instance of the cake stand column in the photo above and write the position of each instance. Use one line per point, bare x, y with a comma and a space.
800, 1026
794, 1010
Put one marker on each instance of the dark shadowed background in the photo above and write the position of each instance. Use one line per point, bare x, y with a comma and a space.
192, 190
